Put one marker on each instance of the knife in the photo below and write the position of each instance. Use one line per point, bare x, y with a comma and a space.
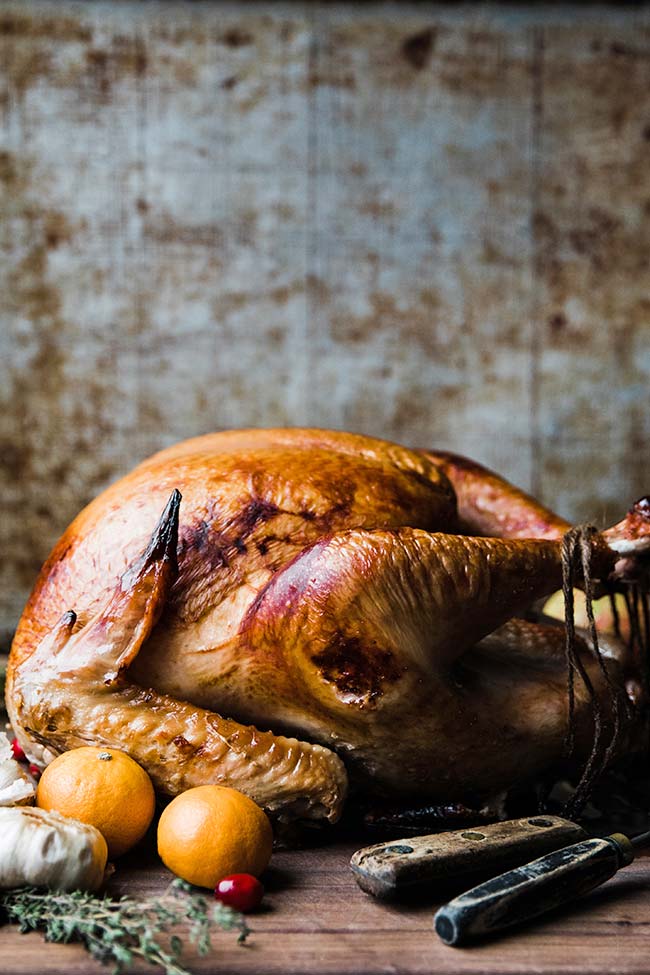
535, 888
458, 858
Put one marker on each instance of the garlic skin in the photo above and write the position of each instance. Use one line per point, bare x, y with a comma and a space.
16, 786
44, 849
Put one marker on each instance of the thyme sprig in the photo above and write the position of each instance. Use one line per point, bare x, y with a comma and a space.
118, 931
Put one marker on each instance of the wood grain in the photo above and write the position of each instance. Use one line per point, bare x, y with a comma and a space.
318, 922
419, 221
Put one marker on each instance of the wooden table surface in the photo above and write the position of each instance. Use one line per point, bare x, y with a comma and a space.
316, 920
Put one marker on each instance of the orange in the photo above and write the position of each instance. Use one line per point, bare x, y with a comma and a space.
103, 787
209, 832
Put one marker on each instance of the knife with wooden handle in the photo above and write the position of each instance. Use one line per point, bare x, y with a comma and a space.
534, 888
399, 867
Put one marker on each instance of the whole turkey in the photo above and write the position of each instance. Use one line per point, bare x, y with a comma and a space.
314, 608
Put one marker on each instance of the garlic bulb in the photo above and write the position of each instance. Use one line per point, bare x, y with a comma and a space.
16, 787
45, 849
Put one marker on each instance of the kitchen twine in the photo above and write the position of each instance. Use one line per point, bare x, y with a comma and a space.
577, 550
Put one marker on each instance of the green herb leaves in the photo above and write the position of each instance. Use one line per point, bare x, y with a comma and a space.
118, 932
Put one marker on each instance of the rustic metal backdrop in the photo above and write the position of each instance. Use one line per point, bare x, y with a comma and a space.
425, 222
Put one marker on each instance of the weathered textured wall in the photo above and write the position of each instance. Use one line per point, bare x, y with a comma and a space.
423, 222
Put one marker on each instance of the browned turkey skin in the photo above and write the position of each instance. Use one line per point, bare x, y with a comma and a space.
352, 599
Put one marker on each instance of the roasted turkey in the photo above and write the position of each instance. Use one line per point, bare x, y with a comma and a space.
314, 608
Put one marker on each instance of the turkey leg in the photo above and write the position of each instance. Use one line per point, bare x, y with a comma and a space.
373, 641
490, 505
430, 596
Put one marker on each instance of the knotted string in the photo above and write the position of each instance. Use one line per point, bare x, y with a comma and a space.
577, 546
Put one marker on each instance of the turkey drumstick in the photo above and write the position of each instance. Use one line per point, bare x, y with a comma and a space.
490, 505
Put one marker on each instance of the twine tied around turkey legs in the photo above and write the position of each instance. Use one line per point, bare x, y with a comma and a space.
576, 558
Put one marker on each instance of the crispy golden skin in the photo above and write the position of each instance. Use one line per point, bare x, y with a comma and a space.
326, 589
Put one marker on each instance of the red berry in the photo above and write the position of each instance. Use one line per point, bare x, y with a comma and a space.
34, 770
240, 891
18, 753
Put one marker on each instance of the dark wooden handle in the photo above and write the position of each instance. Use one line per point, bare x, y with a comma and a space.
449, 862
532, 889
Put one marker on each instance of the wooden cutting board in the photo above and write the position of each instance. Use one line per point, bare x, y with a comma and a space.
315, 920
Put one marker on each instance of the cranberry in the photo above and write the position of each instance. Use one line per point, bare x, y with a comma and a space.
240, 891
34, 770
18, 753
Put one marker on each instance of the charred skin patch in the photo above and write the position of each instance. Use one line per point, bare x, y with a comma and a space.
210, 545
198, 539
215, 552
257, 510
205, 547
355, 670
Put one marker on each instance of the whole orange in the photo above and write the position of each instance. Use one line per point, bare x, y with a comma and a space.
103, 787
211, 831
